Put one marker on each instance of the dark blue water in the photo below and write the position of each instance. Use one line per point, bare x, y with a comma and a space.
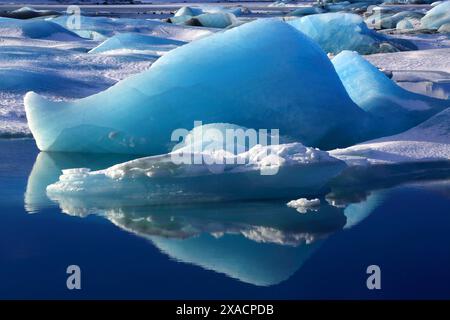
234, 250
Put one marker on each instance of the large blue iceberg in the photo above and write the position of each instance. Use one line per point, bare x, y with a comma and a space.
263, 74
397, 108
255, 172
335, 32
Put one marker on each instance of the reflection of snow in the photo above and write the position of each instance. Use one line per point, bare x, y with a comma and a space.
271, 235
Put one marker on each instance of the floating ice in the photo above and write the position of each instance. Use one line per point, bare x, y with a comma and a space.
35, 29
304, 11
195, 11
437, 16
159, 179
240, 175
370, 89
211, 18
303, 205
136, 41
335, 32
246, 75
390, 21
215, 20
429, 141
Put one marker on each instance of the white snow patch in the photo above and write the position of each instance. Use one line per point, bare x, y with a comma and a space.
304, 205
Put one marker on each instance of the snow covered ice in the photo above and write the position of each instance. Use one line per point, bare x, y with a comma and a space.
429, 141
245, 75
304, 205
158, 179
437, 16
35, 29
107, 27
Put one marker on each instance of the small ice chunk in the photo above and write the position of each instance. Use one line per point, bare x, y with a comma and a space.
304, 205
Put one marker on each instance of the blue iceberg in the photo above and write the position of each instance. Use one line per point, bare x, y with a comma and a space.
257, 172
263, 74
373, 91
335, 32
211, 17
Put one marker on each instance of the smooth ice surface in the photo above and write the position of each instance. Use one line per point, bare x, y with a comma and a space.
35, 29
437, 16
136, 41
271, 171
335, 32
429, 141
370, 89
246, 75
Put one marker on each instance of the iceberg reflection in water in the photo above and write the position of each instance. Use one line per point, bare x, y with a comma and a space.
261, 243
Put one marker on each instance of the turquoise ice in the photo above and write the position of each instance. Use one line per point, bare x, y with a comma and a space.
247, 76
397, 108
35, 29
437, 16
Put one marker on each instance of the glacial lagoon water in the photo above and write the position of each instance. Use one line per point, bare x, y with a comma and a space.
235, 250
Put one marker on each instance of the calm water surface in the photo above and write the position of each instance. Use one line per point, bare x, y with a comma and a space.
230, 250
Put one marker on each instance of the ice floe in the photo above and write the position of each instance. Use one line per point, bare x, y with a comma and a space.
437, 16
